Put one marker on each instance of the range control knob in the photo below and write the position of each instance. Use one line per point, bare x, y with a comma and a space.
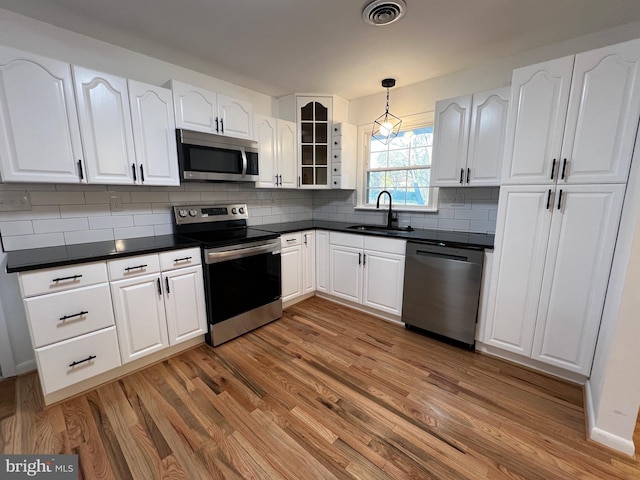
234, 211
182, 213
241, 210
192, 213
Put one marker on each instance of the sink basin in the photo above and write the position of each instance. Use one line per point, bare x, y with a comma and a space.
380, 228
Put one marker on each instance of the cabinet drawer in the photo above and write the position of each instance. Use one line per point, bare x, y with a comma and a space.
291, 239
387, 245
62, 278
180, 258
64, 315
133, 266
346, 239
65, 363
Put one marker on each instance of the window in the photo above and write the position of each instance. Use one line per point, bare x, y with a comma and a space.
403, 168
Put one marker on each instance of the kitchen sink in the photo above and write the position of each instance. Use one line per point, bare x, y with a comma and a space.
380, 228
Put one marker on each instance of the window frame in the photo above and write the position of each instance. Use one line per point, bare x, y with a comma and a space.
364, 134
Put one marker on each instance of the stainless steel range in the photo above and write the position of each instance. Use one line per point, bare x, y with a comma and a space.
242, 269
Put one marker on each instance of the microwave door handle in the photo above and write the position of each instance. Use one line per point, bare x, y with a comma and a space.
244, 162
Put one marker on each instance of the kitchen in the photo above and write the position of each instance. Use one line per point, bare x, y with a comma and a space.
73, 214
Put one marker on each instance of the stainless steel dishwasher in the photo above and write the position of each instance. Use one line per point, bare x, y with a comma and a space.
442, 289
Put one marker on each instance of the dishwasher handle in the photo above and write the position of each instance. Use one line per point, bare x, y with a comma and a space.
444, 256
459, 254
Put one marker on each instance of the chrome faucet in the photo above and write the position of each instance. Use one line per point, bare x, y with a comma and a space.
390, 213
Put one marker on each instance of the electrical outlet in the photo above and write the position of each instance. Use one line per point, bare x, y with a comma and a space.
14, 201
115, 201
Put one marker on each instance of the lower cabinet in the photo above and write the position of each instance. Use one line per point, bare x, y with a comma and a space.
367, 270
153, 308
298, 264
158, 301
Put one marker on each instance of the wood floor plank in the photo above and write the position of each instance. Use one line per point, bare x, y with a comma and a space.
325, 392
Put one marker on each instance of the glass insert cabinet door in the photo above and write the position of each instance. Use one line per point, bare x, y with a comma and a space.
314, 114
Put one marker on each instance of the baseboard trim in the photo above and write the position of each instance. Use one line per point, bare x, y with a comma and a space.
26, 367
599, 435
356, 306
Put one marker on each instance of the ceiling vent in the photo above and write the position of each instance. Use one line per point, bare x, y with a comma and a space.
384, 12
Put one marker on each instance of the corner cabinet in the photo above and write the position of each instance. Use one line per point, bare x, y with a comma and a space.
469, 138
40, 135
573, 120
202, 110
315, 116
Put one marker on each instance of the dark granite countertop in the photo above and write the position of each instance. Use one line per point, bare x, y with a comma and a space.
476, 241
37, 258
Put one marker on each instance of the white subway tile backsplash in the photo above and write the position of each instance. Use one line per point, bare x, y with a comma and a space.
105, 197
60, 225
184, 197
36, 213
120, 221
133, 232
149, 197
213, 197
87, 236
450, 224
94, 210
471, 214
20, 227
56, 198
164, 229
23, 242
152, 219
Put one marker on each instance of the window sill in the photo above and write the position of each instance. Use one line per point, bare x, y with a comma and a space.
401, 208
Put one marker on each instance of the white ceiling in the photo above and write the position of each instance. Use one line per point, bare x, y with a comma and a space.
283, 46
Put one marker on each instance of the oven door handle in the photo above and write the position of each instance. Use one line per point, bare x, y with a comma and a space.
217, 256
244, 161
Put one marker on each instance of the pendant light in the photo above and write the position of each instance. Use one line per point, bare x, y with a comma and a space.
387, 126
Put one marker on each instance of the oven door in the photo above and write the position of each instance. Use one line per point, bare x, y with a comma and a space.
241, 278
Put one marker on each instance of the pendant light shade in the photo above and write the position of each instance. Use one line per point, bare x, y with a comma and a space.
387, 126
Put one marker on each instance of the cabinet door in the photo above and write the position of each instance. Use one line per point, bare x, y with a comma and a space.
286, 156
576, 272
521, 241
308, 261
140, 316
39, 132
346, 272
603, 115
105, 125
537, 113
184, 303
291, 272
195, 108
451, 141
383, 281
322, 260
315, 116
235, 116
265, 133
486, 138
154, 134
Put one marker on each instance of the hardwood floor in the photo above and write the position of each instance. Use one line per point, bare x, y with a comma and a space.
325, 392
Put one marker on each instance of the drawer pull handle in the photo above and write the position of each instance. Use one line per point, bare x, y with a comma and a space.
62, 279
78, 362
135, 268
176, 260
66, 317
166, 281
291, 240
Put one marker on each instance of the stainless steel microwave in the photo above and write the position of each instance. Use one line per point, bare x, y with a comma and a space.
206, 156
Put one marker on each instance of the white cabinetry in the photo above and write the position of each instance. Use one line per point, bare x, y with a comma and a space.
343, 156
573, 119
469, 139
205, 111
322, 260
554, 250
39, 132
154, 134
71, 323
298, 265
154, 310
277, 152
367, 270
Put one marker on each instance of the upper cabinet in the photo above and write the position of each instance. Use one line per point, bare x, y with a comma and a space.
105, 125
573, 120
469, 139
38, 120
277, 152
205, 111
154, 134
64, 124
